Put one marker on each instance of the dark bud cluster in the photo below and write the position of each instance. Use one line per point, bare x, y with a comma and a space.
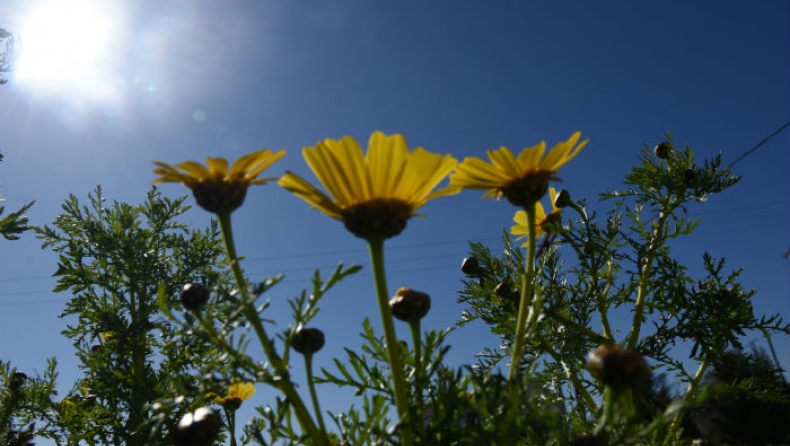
198, 428
617, 367
409, 305
471, 266
663, 150
194, 296
563, 199
308, 341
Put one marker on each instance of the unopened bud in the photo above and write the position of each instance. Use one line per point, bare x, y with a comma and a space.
194, 296
663, 150
409, 305
17, 380
563, 199
198, 428
503, 289
617, 367
471, 266
690, 177
308, 341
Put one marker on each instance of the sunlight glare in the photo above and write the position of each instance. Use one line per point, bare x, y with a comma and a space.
64, 43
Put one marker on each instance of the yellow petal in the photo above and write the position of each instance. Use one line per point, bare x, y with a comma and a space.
196, 170
505, 161
529, 158
217, 166
387, 156
307, 192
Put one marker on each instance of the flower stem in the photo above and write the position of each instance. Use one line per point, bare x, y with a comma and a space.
525, 307
251, 314
308, 363
231, 416
691, 393
416, 339
376, 248
644, 280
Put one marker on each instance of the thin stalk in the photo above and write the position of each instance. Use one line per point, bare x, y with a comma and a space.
416, 339
139, 340
691, 393
525, 303
644, 280
231, 416
376, 248
251, 314
308, 363
610, 397
607, 329
574, 379
575, 326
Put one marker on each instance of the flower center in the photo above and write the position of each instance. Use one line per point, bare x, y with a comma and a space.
219, 196
528, 189
232, 403
377, 219
550, 220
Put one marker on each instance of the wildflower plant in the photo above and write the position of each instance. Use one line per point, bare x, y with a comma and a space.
567, 370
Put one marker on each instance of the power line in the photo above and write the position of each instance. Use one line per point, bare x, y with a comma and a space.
759, 144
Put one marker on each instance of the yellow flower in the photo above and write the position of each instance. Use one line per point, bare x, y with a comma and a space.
237, 392
373, 194
523, 180
542, 220
217, 189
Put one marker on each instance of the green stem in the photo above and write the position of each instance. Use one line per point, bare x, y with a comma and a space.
308, 362
376, 248
416, 339
139, 340
644, 280
574, 379
607, 330
575, 326
251, 314
691, 394
610, 397
525, 307
231, 415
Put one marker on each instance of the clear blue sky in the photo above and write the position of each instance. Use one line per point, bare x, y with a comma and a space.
187, 79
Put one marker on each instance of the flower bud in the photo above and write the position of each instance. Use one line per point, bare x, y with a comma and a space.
471, 266
198, 428
502, 289
617, 367
663, 150
563, 199
17, 379
194, 296
308, 341
409, 305
690, 177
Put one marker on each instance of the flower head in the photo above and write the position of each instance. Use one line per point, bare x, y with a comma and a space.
523, 180
237, 392
375, 193
217, 189
543, 221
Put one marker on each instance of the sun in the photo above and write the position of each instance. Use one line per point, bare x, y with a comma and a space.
65, 43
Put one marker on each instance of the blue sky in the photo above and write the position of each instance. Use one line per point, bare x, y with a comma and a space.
182, 80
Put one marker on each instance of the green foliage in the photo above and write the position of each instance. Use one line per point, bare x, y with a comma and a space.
147, 358
14, 224
114, 260
622, 265
26, 405
750, 403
